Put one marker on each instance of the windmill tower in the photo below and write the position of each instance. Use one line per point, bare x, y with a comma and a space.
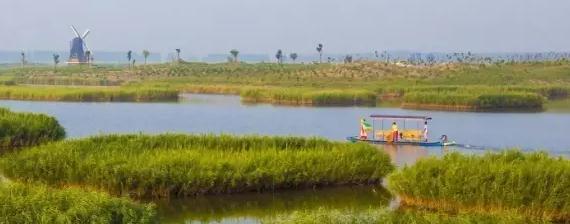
78, 53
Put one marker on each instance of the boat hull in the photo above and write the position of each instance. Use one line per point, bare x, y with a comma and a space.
382, 142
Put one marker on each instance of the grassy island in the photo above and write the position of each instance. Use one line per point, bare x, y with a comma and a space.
533, 185
182, 165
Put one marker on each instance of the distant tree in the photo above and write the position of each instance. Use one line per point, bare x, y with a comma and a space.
130, 56
377, 55
293, 56
348, 59
279, 56
177, 54
55, 61
386, 56
134, 61
430, 59
320, 50
88, 56
23, 58
145, 53
235, 54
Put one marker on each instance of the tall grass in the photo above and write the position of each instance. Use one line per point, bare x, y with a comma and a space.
182, 165
26, 203
335, 216
313, 97
89, 94
531, 184
27, 129
476, 101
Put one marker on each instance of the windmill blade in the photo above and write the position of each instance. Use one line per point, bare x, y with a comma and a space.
75, 31
86, 48
85, 34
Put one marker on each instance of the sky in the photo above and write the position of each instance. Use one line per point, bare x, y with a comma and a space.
262, 26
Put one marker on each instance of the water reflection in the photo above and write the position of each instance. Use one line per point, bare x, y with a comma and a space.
249, 207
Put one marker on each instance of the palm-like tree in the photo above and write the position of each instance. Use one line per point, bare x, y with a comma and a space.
88, 56
177, 54
55, 61
130, 56
145, 53
235, 54
279, 56
23, 58
293, 56
320, 50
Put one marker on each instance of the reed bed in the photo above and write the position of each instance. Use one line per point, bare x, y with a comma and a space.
27, 129
476, 101
314, 97
212, 89
88, 94
534, 185
384, 215
26, 203
183, 165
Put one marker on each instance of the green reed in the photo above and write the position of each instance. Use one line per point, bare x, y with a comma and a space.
87, 94
27, 129
314, 97
181, 165
532, 184
27, 203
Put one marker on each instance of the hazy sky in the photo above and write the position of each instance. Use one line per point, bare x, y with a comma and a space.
262, 26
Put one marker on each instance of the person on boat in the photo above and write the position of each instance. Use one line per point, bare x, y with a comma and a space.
364, 129
394, 132
425, 131
444, 138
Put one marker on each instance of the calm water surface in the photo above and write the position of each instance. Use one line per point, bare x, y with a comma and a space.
225, 114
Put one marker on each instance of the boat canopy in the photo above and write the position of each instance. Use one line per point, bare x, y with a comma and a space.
400, 117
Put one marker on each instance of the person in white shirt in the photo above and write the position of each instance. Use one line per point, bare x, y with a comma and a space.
425, 131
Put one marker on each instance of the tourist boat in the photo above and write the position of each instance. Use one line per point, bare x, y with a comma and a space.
412, 130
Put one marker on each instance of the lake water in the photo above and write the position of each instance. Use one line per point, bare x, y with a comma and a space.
548, 131
225, 114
